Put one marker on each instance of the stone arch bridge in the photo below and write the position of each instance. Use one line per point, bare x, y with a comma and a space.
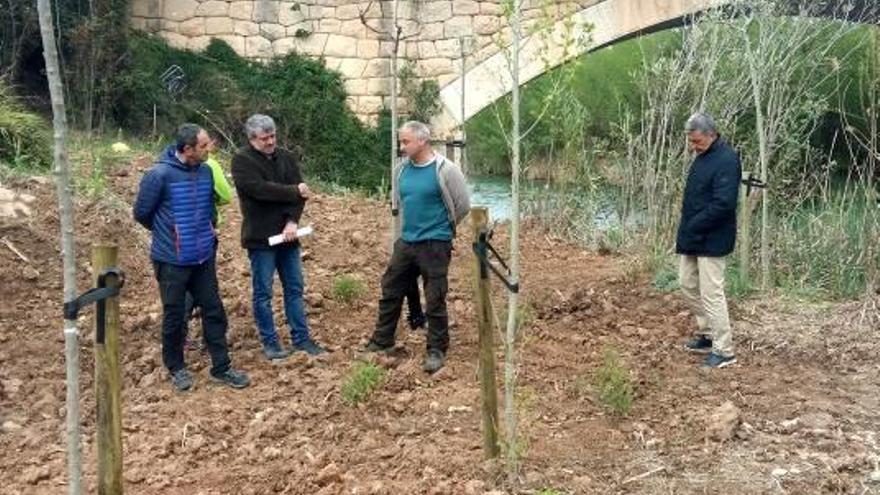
433, 30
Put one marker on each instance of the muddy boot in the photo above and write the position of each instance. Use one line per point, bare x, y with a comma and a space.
434, 361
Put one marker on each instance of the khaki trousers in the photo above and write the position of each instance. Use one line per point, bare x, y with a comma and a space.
702, 284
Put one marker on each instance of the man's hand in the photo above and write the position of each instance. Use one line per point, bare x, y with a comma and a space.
289, 232
304, 190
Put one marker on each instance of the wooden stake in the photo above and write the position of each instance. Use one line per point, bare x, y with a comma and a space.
488, 388
108, 382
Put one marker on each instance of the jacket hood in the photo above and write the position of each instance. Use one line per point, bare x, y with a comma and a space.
169, 157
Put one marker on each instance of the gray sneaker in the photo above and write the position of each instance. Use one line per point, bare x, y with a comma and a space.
310, 348
274, 352
182, 380
233, 378
717, 361
434, 361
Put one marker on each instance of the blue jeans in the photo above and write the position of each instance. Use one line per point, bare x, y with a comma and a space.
264, 263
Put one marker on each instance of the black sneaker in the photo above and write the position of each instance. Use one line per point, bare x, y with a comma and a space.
233, 378
310, 348
716, 361
374, 347
417, 322
182, 380
434, 361
700, 345
274, 352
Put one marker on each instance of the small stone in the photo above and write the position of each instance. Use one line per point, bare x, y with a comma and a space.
271, 452
779, 473
30, 273
316, 300
330, 474
36, 474
357, 239
474, 487
723, 422
790, 425
11, 426
875, 476
817, 421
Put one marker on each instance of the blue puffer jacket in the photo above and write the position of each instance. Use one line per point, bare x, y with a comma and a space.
176, 202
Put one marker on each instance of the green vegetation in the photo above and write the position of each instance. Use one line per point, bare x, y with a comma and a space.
363, 379
25, 138
610, 146
347, 289
614, 385
222, 89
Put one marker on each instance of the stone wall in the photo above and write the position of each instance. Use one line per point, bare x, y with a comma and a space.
333, 29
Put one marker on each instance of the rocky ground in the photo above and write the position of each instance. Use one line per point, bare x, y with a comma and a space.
797, 414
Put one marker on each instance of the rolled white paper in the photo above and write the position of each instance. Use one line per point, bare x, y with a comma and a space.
300, 232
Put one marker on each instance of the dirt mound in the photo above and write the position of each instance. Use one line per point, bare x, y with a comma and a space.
292, 433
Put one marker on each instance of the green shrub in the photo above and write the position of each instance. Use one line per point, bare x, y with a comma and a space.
614, 384
666, 279
25, 138
307, 101
347, 289
361, 381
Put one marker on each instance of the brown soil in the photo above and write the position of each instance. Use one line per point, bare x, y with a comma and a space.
794, 416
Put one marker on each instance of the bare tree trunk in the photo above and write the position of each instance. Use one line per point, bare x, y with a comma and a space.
395, 44
90, 78
465, 43
763, 153
510, 419
65, 207
873, 150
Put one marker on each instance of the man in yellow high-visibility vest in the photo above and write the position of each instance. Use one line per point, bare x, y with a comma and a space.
222, 197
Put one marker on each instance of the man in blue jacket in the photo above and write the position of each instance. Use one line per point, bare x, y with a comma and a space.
706, 235
176, 203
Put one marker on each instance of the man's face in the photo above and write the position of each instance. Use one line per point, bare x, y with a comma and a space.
412, 146
264, 142
699, 142
198, 153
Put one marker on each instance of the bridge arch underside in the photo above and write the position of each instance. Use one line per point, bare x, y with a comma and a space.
613, 21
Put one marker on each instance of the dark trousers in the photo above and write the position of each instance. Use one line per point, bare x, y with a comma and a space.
201, 282
189, 307
430, 260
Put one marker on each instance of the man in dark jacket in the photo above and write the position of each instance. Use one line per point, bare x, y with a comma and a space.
706, 235
176, 202
273, 195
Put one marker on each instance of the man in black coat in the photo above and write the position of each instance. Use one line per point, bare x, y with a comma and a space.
706, 235
272, 195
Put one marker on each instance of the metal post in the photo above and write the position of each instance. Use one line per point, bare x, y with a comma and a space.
745, 241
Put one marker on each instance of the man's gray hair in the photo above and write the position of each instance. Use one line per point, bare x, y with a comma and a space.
258, 123
420, 130
701, 122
